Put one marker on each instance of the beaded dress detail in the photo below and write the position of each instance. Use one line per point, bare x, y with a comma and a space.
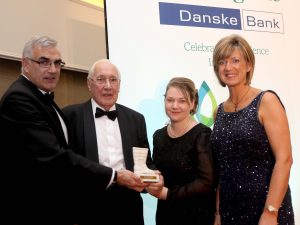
246, 162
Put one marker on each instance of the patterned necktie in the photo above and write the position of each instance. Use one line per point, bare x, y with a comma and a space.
110, 114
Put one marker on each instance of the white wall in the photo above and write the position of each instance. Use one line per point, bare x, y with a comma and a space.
79, 29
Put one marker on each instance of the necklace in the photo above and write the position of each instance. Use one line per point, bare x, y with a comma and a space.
178, 134
236, 104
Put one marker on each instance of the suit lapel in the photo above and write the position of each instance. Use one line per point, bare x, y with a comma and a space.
39, 95
124, 124
90, 133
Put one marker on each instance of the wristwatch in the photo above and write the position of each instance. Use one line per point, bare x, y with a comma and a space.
271, 208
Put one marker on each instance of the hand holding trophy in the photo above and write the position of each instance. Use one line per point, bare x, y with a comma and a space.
140, 166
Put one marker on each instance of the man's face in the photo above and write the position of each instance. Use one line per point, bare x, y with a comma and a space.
105, 85
43, 68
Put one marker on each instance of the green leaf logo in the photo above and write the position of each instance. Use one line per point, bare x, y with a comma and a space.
199, 116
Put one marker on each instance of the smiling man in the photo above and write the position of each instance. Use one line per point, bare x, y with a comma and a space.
43, 181
106, 132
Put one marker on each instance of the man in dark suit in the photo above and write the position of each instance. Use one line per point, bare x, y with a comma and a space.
44, 181
105, 132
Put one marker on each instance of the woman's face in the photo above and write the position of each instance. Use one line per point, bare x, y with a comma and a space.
177, 106
233, 69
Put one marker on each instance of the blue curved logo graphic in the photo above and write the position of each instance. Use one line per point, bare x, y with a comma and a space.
202, 92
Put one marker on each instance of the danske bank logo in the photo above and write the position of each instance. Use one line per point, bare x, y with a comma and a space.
219, 18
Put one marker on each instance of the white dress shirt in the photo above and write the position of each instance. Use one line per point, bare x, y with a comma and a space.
109, 140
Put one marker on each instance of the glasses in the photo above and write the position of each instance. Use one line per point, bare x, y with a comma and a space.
46, 63
103, 80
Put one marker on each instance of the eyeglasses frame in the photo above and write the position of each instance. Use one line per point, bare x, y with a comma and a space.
50, 63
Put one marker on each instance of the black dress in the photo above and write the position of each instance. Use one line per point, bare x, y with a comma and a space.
246, 163
187, 166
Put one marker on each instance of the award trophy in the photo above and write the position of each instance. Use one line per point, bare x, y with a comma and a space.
140, 166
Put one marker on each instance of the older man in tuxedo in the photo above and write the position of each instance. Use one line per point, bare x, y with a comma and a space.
43, 181
106, 132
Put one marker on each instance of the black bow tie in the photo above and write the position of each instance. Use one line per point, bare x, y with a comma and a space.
49, 97
110, 114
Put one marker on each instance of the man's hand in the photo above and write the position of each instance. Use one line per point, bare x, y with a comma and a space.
130, 180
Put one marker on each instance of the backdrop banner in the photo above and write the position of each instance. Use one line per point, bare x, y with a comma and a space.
153, 41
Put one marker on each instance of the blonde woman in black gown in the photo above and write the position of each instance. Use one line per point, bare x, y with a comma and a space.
251, 139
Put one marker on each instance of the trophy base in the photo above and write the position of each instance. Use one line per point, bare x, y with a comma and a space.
149, 177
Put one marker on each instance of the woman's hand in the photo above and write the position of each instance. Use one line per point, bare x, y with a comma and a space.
157, 189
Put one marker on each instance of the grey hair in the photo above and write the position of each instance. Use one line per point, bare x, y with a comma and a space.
92, 69
43, 41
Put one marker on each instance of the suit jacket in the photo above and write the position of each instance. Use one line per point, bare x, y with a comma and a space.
126, 203
42, 177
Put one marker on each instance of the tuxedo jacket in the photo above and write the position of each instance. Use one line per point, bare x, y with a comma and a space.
42, 177
126, 203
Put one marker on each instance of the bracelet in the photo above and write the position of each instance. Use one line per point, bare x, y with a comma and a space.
271, 208
217, 213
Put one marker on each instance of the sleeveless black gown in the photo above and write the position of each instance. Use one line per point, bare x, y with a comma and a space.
246, 162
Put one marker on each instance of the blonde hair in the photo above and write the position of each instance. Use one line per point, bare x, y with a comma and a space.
226, 46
